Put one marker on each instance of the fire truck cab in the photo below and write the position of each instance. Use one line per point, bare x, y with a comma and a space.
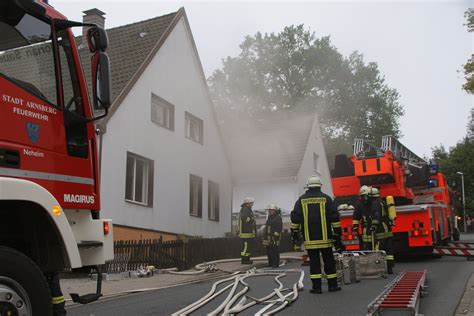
49, 164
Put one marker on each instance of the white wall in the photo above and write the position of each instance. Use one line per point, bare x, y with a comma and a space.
315, 145
174, 75
283, 193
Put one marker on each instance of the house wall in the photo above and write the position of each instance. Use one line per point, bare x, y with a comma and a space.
175, 75
315, 146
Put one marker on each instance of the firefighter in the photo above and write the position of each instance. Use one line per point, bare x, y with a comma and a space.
272, 235
362, 217
319, 220
247, 230
57, 297
383, 227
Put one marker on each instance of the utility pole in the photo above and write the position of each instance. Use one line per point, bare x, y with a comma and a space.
463, 201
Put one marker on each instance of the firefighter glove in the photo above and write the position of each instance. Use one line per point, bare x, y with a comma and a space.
339, 246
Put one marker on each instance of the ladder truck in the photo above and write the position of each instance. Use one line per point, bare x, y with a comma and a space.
49, 162
425, 211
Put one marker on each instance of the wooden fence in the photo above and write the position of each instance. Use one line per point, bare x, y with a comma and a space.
183, 254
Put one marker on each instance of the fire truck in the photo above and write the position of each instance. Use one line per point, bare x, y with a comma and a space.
425, 211
49, 162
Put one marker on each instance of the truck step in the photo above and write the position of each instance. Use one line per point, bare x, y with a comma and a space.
89, 244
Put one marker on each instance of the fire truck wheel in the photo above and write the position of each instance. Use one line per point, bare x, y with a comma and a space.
23, 287
456, 234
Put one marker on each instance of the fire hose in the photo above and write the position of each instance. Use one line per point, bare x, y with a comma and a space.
227, 308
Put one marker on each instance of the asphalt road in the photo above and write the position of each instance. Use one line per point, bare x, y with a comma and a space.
446, 280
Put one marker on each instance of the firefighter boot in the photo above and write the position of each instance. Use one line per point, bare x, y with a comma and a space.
316, 287
390, 266
332, 285
246, 260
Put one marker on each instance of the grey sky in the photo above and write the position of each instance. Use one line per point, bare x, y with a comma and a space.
420, 47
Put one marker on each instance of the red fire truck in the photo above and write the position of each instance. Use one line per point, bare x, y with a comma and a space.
425, 212
49, 170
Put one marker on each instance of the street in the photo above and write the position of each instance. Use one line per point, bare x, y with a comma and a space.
447, 277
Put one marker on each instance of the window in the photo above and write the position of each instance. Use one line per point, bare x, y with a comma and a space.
139, 180
195, 196
162, 112
213, 201
194, 128
315, 162
27, 53
77, 142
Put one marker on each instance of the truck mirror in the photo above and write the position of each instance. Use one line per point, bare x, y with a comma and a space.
101, 81
97, 39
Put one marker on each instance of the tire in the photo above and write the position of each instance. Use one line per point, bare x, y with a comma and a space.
26, 274
456, 234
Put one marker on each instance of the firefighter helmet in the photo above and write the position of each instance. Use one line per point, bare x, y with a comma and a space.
350, 208
313, 182
272, 207
249, 200
364, 190
374, 192
342, 207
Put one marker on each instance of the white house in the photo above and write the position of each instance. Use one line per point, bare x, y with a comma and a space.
164, 168
272, 158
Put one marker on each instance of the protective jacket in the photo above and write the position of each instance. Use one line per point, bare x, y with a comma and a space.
380, 219
363, 217
317, 217
273, 227
246, 223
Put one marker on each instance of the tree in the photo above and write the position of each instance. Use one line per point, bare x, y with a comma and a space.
459, 158
469, 66
470, 127
292, 70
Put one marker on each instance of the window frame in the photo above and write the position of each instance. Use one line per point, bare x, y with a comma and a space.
162, 103
213, 187
195, 179
147, 188
188, 118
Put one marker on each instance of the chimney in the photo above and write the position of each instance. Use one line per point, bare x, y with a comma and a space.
93, 16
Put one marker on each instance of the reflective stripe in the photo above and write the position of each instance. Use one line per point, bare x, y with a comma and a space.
331, 276
374, 221
318, 246
356, 221
336, 224
390, 257
276, 233
244, 252
247, 235
295, 226
315, 276
322, 208
305, 219
57, 300
10, 172
248, 219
